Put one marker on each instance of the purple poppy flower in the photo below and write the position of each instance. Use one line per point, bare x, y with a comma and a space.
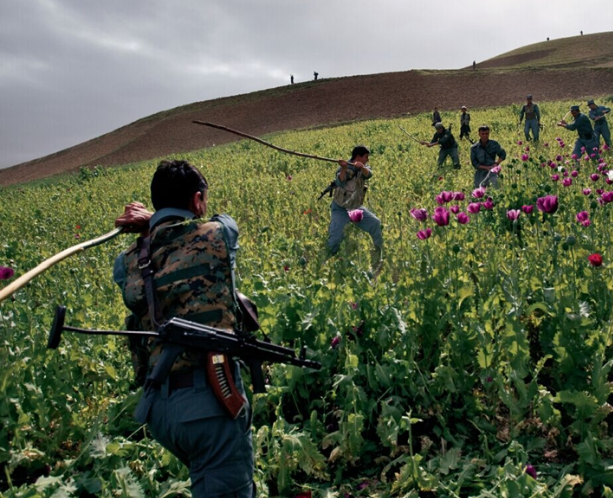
462, 218
489, 204
574, 173
441, 216
519, 142
424, 234
478, 193
527, 209
587, 191
419, 214
594, 177
555, 178
531, 471
599, 191
474, 207
607, 197
454, 209
567, 182
547, 204
513, 214
525, 157
559, 158
582, 216
458, 196
336, 340
496, 169
6, 272
552, 165
356, 215
574, 156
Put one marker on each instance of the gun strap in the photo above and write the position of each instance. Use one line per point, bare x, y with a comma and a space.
147, 271
221, 380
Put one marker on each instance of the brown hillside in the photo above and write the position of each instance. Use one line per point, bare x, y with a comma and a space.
315, 104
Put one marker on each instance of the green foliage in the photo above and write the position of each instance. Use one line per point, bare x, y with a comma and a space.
474, 353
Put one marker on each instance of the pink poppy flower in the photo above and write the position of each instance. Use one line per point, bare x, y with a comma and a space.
454, 209
474, 207
547, 204
582, 216
574, 173
595, 259
587, 191
513, 214
424, 234
555, 178
489, 204
6, 272
419, 214
607, 197
527, 209
567, 182
441, 216
594, 177
458, 196
525, 157
462, 218
478, 193
356, 215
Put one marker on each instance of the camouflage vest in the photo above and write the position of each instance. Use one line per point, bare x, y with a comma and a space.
352, 194
529, 110
193, 280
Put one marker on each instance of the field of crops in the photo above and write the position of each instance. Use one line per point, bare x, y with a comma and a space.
477, 363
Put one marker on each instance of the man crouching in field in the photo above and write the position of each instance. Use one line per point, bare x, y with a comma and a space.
192, 276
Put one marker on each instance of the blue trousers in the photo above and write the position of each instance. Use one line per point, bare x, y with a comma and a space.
339, 219
451, 152
191, 423
602, 130
531, 124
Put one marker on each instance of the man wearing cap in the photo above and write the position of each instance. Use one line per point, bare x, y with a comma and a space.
586, 141
465, 124
349, 193
448, 144
533, 118
436, 116
486, 156
601, 127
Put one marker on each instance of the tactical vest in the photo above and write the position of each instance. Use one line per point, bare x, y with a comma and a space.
352, 194
193, 280
529, 111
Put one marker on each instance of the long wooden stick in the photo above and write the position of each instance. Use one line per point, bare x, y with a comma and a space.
263, 142
24, 279
410, 136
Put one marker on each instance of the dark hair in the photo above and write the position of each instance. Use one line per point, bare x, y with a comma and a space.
359, 150
175, 183
484, 128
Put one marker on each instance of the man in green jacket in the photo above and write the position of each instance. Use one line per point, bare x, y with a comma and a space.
449, 147
601, 127
586, 140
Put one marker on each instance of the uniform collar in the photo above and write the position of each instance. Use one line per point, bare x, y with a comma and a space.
165, 213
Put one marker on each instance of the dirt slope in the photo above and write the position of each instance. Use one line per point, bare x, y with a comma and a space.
315, 104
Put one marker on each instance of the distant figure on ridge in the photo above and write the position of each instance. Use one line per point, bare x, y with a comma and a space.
448, 144
533, 118
465, 124
474, 65
586, 139
601, 127
315, 75
485, 156
291, 79
436, 116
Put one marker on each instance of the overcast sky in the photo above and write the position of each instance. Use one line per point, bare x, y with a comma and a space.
71, 70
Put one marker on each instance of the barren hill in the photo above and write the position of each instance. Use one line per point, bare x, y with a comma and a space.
559, 75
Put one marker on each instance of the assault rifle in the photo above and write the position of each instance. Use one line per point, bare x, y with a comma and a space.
178, 334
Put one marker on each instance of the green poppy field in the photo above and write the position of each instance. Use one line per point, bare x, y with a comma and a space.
476, 363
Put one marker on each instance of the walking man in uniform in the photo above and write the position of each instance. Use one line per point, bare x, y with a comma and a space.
486, 156
447, 143
601, 127
192, 264
465, 124
533, 118
586, 139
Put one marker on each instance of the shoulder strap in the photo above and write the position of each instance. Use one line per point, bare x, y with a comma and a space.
147, 271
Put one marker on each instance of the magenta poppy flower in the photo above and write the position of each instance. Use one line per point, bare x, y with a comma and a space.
474, 207
527, 209
594, 177
519, 142
555, 178
478, 193
525, 157
441, 216
546, 144
6, 272
582, 149
559, 158
553, 165
336, 340
496, 169
547, 204
574, 156
356, 215
593, 156
289, 178
462, 218
444, 197
587, 191
454, 209
567, 182
607, 197
424, 234
531, 471
600, 191
513, 214
582, 216
419, 214
489, 204
574, 173
458, 196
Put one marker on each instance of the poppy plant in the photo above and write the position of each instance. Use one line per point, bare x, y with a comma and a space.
595, 259
474, 207
441, 216
459, 196
527, 209
454, 209
444, 197
489, 204
424, 234
462, 218
419, 214
607, 197
6, 272
478, 193
513, 214
583, 217
547, 204
356, 215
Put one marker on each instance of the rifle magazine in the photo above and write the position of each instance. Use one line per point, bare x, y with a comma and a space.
220, 378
